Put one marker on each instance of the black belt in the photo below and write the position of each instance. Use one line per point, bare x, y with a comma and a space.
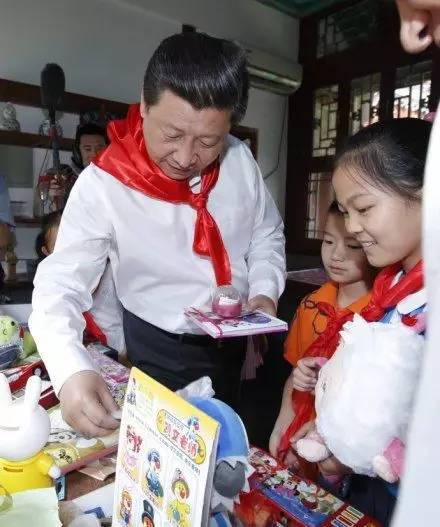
192, 339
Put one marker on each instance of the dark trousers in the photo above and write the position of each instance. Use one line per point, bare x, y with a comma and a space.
176, 360
369, 495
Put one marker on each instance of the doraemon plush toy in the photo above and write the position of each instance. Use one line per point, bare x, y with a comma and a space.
232, 469
364, 398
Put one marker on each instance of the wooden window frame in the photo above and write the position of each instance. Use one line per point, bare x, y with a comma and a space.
382, 55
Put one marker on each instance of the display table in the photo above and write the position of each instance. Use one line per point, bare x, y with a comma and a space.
78, 484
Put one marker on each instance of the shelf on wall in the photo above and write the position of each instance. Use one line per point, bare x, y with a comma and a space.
23, 221
9, 137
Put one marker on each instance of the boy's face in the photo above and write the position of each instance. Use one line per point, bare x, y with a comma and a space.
420, 24
50, 239
90, 145
343, 258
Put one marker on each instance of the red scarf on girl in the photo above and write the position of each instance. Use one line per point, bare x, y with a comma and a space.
127, 159
384, 296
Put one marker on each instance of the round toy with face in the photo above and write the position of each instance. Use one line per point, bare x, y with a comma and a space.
9, 330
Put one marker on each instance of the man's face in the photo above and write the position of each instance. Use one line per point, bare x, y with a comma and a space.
420, 24
181, 140
90, 145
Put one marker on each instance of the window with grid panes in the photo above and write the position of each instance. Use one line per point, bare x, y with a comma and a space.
412, 90
364, 102
325, 121
320, 196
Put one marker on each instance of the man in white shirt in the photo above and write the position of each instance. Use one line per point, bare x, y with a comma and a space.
178, 206
418, 497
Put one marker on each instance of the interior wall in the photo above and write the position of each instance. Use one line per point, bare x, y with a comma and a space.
104, 45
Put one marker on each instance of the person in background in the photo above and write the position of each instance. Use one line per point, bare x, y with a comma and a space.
104, 319
90, 139
6, 223
347, 291
418, 497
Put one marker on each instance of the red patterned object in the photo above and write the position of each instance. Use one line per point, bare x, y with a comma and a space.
280, 498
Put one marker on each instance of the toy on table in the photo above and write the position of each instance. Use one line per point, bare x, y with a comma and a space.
226, 302
364, 398
24, 430
16, 342
10, 342
280, 497
232, 469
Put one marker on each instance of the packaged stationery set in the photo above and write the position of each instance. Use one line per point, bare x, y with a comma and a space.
278, 497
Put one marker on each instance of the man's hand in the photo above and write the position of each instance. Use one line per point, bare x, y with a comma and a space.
262, 303
87, 405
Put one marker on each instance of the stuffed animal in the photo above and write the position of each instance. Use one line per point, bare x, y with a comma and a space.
232, 469
364, 398
24, 430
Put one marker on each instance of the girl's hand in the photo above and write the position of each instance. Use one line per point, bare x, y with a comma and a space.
291, 459
305, 374
333, 467
275, 437
282, 423
284, 418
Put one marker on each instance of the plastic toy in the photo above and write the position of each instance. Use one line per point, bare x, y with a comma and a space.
24, 430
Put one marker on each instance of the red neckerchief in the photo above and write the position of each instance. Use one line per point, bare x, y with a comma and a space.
384, 296
127, 159
93, 332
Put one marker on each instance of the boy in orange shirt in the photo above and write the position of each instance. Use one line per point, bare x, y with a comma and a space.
351, 278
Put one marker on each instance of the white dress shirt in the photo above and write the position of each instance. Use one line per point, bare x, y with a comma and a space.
149, 245
418, 498
107, 311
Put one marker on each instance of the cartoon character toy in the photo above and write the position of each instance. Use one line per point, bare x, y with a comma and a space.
24, 430
10, 341
232, 469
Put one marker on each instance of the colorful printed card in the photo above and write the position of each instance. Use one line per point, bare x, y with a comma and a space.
249, 323
71, 450
166, 458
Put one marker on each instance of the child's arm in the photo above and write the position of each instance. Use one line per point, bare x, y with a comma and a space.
292, 352
285, 417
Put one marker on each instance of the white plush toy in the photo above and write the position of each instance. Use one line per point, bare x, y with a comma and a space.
364, 398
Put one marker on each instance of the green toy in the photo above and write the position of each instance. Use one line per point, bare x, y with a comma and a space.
29, 346
9, 331
16, 343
